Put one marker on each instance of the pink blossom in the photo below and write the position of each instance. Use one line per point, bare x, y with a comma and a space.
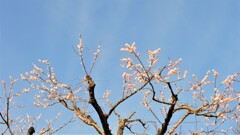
157, 76
80, 45
194, 86
39, 96
147, 93
178, 61
126, 76
162, 96
216, 98
227, 80
195, 79
215, 73
129, 63
106, 93
29, 118
173, 64
44, 87
130, 85
37, 68
129, 48
185, 74
3, 83
44, 61
46, 105
32, 78
234, 76
153, 53
125, 59
39, 116
45, 100
145, 103
26, 90
23, 77
221, 115
238, 94
58, 115
68, 96
195, 94
172, 71
17, 94
206, 77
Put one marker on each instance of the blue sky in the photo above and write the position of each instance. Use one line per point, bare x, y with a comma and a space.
206, 34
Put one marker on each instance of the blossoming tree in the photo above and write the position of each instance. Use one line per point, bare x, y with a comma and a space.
164, 98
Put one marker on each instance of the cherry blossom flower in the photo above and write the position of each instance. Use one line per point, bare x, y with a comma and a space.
37, 68
106, 93
43, 61
80, 45
129, 63
206, 77
145, 103
157, 76
129, 48
38, 117
173, 71
29, 118
26, 90
215, 73
185, 74
58, 115
195, 94
174, 64
32, 78
38, 96
153, 53
195, 78
23, 77
126, 76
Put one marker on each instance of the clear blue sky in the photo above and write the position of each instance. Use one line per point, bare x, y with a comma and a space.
205, 33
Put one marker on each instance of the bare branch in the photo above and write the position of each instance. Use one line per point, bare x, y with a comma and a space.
126, 123
178, 123
125, 98
65, 104
94, 103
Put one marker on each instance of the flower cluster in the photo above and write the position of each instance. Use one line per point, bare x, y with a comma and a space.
145, 102
129, 48
50, 89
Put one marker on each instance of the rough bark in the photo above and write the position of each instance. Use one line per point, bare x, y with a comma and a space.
94, 103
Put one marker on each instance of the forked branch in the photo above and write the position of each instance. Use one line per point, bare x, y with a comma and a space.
94, 103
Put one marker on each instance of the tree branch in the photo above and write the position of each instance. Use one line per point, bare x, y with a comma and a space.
31, 130
124, 123
170, 112
7, 121
87, 119
94, 103
125, 98
178, 123
65, 104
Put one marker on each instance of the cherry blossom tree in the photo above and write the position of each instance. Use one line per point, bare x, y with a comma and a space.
20, 124
209, 104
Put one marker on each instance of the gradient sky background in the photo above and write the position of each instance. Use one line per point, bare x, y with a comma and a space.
206, 34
